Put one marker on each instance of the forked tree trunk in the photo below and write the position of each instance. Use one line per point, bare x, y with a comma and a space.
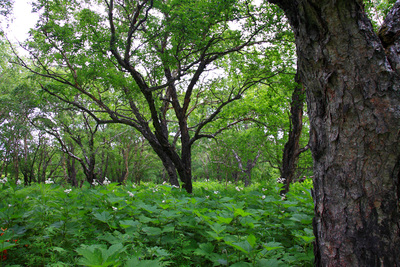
353, 96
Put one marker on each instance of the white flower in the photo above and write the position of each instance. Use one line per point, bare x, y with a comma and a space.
281, 180
163, 201
237, 188
49, 181
130, 194
67, 191
207, 196
27, 197
283, 197
134, 186
216, 192
95, 182
176, 186
106, 181
264, 189
114, 208
164, 182
263, 197
19, 182
9, 205
4, 180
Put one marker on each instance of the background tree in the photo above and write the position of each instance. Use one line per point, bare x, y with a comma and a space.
156, 72
351, 75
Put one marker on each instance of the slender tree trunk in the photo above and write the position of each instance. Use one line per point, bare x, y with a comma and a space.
291, 150
353, 98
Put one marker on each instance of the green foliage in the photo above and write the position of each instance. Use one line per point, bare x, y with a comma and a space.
158, 225
377, 10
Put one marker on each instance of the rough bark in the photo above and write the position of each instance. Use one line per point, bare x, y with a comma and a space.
353, 98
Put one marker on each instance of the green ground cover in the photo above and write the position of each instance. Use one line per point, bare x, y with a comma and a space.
156, 225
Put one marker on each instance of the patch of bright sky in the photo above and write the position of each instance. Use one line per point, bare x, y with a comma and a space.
22, 21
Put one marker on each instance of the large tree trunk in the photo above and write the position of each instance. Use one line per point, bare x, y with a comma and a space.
353, 99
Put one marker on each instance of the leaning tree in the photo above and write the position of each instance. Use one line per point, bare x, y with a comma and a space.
351, 74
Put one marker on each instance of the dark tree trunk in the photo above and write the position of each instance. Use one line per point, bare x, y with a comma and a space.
292, 149
353, 96
71, 170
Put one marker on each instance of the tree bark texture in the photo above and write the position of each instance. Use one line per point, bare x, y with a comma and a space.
353, 96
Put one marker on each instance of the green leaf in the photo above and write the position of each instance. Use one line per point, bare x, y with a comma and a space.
224, 220
272, 246
205, 249
92, 255
129, 223
252, 240
241, 212
243, 264
6, 245
105, 216
243, 246
152, 230
269, 263
134, 262
218, 228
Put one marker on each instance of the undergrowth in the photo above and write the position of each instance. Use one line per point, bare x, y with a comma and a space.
156, 225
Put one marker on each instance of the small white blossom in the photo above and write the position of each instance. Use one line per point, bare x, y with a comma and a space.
9, 205
165, 182
19, 182
130, 194
27, 197
106, 181
163, 201
263, 197
281, 180
207, 196
95, 183
49, 181
264, 189
114, 208
176, 186
283, 197
4, 180
216, 192
67, 191
237, 188
134, 186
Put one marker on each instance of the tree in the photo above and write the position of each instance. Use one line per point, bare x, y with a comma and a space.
147, 64
351, 75
292, 149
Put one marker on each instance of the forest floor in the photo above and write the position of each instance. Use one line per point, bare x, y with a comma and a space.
156, 225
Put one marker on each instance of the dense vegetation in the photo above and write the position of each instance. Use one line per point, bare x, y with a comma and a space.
156, 225
117, 107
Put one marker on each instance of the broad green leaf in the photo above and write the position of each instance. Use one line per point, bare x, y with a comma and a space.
152, 230
252, 240
129, 223
272, 246
105, 216
218, 228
